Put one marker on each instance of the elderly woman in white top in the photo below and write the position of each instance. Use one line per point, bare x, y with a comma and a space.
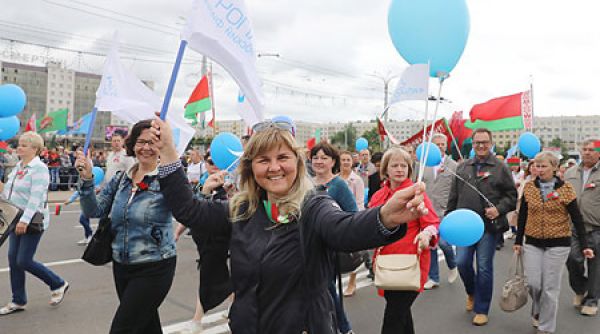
357, 187
27, 187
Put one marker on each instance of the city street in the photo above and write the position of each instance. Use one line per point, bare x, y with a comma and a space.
91, 300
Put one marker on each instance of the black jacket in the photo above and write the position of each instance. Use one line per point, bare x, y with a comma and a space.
280, 275
494, 180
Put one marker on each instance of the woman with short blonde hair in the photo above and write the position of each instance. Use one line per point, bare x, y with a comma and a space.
27, 188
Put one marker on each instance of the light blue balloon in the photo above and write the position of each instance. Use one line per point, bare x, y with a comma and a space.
9, 127
529, 144
98, 175
12, 100
434, 157
434, 31
225, 150
361, 144
462, 227
472, 154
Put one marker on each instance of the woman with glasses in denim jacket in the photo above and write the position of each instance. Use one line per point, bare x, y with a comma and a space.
282, 233
143, 247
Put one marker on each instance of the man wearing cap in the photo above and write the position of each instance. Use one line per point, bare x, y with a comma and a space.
585, 178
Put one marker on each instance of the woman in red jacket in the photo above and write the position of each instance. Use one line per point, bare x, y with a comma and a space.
396, 169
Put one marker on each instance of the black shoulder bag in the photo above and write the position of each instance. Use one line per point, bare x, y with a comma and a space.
99, 250
36, 225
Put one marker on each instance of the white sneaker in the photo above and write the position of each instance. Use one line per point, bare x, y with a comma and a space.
452, 275
11, 308
58, 295
84, 241
431, 284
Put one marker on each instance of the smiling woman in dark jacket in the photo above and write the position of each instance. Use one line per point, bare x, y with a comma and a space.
282, 234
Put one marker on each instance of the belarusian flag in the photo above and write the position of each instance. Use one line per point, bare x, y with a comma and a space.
502, 113
199, 101
31, 124
53, 121
513, 161
597, 145
3, 146
314, 140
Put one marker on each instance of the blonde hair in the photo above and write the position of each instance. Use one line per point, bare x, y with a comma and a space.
34, 139
395, 152
547, 156
245, 203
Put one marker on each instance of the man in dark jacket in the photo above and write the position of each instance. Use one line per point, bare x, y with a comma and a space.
493, 179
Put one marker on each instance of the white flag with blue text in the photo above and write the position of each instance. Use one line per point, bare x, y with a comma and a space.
221, 30
248, 114
413, 84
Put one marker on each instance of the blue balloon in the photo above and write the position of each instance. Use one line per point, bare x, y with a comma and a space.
12, 100
361, 144
434, 31
462, 227
434, 157
98, 175
472, 154
529, 144
9, 127
225, 149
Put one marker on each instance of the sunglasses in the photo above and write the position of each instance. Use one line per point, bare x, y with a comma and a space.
280, 125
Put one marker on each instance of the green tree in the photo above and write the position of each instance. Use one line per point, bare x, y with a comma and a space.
557, 142
345, 138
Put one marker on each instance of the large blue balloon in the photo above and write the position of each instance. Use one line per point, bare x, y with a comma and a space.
529, 144
12, 100
98, 175
462, 227
225, 149
361, 144
9, 127
434, 157
434, 31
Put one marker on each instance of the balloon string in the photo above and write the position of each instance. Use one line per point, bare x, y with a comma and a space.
425, 148
472, 187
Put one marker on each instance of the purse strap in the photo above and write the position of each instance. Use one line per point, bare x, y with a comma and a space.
12, 184
516, 266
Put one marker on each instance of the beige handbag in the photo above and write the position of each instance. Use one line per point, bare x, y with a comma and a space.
515, 290
397, 272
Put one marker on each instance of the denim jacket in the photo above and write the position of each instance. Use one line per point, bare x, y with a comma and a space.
141, 222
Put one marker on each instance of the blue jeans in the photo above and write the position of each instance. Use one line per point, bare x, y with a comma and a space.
85, 222
54, 178
21, 250
342, 321
434, 267
480, 283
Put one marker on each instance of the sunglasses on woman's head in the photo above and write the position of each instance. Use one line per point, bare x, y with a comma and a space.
281, 125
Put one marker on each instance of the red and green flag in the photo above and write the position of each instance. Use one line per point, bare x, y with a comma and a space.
502, 113
199, 102
314, 140
597, 145
53, 121
3, 146
513, 161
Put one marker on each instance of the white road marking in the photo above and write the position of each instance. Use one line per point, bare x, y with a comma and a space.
50, 264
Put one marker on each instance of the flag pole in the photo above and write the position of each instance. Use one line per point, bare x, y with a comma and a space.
90, 131
423, 157
212, 98
454, 141
167, 100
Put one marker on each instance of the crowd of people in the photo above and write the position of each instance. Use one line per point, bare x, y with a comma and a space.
270, 235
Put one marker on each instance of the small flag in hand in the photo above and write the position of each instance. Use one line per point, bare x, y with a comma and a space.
57, 209
513, 161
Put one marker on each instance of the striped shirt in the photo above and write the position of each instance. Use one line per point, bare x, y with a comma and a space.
30, 190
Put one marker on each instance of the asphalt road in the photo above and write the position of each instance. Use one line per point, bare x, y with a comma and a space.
91, 300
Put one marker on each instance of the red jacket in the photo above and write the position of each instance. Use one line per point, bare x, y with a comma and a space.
406, 245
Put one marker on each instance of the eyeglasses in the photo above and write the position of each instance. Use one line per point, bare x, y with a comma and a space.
142, 142
281, 125
481, 143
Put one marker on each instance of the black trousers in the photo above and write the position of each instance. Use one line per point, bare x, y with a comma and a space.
141, 289
397, 318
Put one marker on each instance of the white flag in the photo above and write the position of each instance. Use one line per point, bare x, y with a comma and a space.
127, 97
221, 30
248, 114
413, 84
